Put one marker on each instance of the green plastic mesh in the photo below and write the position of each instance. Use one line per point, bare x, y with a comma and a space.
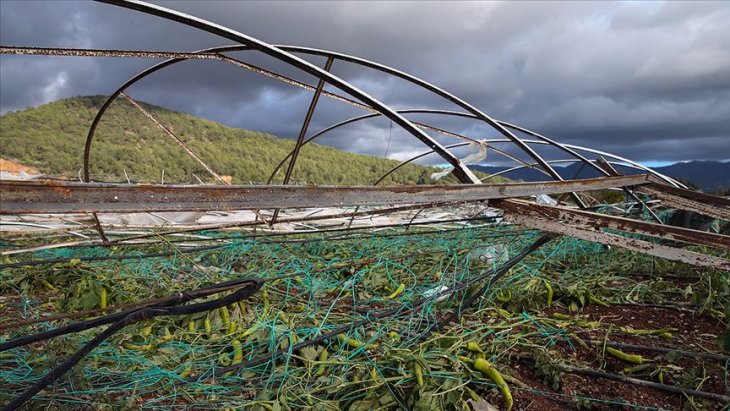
339, 281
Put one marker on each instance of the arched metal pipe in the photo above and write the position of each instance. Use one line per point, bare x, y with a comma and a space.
621, 161
440, 92
374, 115
283, 54
572, 148
667, 179
567, 148
111, 98
139, 76
500, 125
567, 160
460, 170
504, 140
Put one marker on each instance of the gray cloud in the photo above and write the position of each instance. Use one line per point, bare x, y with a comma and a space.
649, 81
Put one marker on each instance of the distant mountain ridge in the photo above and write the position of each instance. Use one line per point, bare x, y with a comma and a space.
708, 176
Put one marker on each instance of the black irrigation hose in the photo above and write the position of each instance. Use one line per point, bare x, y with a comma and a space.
177, 299
495, 276
62, 368
504, 269
121, 320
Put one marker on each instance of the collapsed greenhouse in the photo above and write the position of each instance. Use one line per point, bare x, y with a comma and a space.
459, 294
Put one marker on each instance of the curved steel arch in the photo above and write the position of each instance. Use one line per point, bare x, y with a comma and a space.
524, 164
667, 179
280, 52
224, 58
139, 76
570, 147
220, 49
475, 113
436, 90
424, 154
473, 110
461, 171
566, 160
374, 115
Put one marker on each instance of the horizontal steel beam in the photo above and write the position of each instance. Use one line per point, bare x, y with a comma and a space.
703, 198
599, 221
33, 197
77, 52
709, 205
564, 221
682, 203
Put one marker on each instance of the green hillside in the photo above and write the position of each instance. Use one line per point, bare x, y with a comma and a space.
51, 138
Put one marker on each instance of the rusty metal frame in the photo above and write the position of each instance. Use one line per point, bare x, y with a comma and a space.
683, 203
113, 198
303, 132
708, 199
542, 217
417, 81
29, 197
463, 174
34, 197
212, 53
603, 221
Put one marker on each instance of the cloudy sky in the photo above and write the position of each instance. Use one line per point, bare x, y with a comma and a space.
649, 81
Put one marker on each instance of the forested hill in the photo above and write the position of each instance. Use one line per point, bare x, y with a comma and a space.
51, 138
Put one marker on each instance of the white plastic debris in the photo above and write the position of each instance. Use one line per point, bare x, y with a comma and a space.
436, 291
19, 176
495, 254
545, 199
481, 154
493, 213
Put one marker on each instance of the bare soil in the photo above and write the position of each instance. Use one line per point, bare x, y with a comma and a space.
696, 333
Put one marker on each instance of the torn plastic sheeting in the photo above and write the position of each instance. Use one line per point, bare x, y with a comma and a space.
472, 158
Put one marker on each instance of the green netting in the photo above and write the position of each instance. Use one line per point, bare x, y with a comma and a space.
339, 281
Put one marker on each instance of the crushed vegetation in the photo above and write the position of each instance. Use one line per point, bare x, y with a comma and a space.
544, 336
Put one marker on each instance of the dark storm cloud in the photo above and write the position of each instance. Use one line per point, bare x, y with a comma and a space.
649, 81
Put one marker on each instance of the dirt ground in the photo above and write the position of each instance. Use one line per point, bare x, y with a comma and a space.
692, 333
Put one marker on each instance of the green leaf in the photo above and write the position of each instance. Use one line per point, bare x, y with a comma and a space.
89, 300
